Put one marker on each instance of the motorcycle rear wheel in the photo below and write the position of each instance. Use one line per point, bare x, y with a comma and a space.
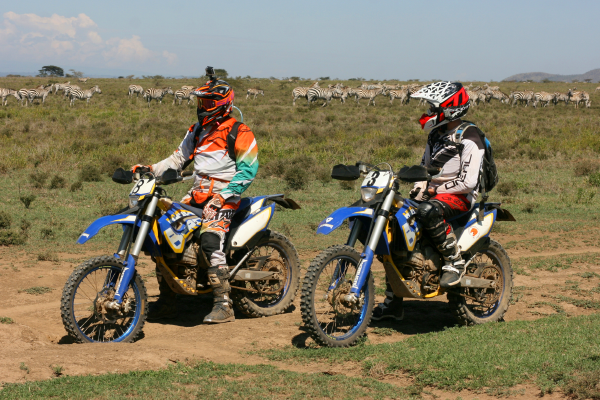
479, 306
86, 292
330, 320
282, 258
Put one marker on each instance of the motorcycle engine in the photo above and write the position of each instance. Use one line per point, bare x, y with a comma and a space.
421, 265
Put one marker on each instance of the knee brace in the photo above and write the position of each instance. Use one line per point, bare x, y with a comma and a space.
431, 216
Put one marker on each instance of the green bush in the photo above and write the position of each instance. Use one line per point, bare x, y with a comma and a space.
57, 182
11, 238
296, 177
90, 173
594, 179
76, 186
507, 188
5, 220
38, 179
27, 199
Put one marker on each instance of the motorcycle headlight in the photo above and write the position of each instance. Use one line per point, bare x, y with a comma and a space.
368, 193
133, 201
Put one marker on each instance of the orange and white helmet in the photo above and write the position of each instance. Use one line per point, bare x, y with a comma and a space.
215, 101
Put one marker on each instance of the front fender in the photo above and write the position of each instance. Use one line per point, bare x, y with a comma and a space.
336, 218
101, 222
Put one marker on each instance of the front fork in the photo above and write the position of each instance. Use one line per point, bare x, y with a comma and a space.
364, 267
129, 270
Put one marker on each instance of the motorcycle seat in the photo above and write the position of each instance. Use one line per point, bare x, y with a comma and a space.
197, 211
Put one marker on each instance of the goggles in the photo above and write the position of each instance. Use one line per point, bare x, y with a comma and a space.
210, 104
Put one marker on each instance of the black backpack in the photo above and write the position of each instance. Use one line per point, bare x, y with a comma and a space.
488, 176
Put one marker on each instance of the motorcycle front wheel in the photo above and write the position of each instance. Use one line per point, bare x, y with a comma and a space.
330, 319
478, 306
85, 295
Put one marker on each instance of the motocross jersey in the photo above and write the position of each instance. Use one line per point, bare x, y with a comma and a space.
460, 163
216, 170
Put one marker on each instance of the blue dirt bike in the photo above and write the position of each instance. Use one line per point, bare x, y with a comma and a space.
338, 291
104, 299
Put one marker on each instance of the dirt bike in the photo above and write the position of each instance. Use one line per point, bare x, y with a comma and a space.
338, 290
105, 300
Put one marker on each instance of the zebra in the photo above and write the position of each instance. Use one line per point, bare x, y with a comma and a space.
402, 94
254, 92
67, 89
302, 92
188, 87
342, 93
315, 94
182, 94
498, 95
83, 80
598, 88
474, 96
156, 94
137, 89
60, 86
576, 97
4, 93
23, 95
83, 94
38, 94
526, 97
368, 94
561, 97
543, 97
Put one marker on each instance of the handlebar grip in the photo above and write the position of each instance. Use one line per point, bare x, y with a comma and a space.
187, 173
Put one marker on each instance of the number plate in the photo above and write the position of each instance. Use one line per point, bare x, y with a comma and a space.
378, 179
143, 187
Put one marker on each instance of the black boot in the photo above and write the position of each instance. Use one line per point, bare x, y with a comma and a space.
222, 311
454, 265
391, 308
166, 305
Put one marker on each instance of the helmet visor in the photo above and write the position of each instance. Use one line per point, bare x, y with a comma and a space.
210, 105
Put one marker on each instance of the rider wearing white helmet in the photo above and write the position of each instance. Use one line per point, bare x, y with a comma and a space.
455, 190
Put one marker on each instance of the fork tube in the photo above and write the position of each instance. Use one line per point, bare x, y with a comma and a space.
125, 240
354, 232
144, 227
367, 257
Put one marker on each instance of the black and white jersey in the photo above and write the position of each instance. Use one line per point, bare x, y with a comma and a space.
460, 164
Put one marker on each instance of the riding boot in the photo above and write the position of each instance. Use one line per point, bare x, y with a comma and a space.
222, 310
165, 306
390, 308
454, 265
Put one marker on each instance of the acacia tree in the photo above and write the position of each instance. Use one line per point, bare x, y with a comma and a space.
51, 70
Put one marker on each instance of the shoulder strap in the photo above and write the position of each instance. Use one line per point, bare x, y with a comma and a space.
231, 138
461, 129
196, 135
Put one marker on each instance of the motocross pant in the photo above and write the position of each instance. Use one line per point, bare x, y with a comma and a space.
434, 213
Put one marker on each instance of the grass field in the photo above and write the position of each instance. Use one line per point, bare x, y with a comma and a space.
55, 167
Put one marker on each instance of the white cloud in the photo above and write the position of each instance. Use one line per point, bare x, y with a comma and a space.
56, 39
171, 57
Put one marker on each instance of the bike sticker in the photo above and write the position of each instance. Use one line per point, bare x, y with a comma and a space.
377, 179
143, 187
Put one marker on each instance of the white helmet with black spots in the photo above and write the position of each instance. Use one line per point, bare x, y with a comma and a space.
448, 101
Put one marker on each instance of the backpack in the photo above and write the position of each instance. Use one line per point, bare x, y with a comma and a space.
488, 176
231, 138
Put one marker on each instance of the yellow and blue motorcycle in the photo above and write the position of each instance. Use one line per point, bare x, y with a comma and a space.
338, 291
105, 300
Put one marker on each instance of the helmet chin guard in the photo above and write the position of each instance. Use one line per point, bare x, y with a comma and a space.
428, 122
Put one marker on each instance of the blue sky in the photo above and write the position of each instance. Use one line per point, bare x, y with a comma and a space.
455, 40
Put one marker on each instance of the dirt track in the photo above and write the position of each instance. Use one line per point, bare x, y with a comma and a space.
38, 339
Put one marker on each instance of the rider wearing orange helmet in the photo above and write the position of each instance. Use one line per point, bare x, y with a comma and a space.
225, 157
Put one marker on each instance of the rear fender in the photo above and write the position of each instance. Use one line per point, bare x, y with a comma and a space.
475, 230
257, 220
101, 222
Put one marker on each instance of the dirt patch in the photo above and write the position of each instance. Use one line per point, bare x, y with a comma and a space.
37, 341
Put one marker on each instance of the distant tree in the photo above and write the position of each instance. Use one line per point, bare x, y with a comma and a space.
51, 70
75, 74
295, 78
587, 80
324, 78
221, 73
546, 80
121, 77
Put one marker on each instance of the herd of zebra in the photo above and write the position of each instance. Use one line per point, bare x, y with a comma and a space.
178, 96
72, 92
478, 95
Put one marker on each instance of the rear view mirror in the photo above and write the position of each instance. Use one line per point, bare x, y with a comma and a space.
343, 172
123, 177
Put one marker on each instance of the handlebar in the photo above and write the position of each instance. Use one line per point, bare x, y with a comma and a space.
187, 173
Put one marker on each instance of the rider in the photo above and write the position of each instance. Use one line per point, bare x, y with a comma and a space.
454, 191
225, 162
